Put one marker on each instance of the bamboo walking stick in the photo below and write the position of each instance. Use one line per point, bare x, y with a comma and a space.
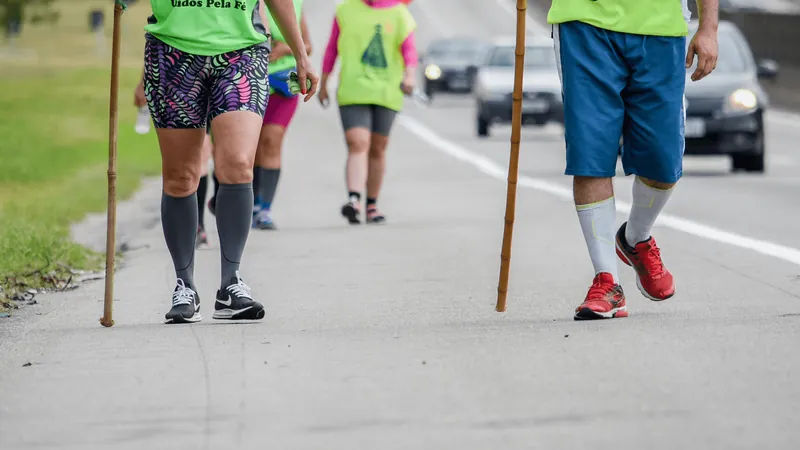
111, 223
513, 163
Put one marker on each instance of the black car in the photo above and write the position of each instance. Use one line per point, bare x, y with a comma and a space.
725, 110
449, 64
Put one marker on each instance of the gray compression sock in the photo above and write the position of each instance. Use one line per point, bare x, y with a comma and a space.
179, 221
268, 185
234, 216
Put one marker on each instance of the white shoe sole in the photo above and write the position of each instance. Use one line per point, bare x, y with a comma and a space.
231, 314
588, 314
194, 319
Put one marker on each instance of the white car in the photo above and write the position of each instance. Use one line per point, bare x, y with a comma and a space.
494, 84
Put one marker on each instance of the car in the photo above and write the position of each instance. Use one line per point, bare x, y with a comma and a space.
494, 85
725, 110
449, 64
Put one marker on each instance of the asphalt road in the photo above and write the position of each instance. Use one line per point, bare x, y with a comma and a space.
386, 337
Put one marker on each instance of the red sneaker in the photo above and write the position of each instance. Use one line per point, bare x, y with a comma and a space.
605, 300
653, 279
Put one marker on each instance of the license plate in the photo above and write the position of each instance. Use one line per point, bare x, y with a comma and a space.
535, 106
694, 128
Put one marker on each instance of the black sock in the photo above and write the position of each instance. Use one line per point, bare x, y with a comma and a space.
179, 222
234, 215
212, 202
371, 202
202, 190
256, 184
216, 185
267, 185
354, 197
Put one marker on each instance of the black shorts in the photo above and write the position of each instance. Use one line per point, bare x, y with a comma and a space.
375, 118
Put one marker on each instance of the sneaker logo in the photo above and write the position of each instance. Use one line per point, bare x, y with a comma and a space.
226, 302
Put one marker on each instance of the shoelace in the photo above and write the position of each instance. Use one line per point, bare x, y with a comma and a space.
183, 295
240, 290
599, 291
655, 264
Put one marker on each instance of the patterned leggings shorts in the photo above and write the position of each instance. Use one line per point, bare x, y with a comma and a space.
188, 91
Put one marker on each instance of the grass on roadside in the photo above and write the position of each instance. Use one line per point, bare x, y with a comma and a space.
54, 156
54, 91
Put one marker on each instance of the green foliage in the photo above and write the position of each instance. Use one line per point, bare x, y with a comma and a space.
55, 157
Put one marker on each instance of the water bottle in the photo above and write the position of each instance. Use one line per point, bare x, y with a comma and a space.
294, 83
143, 120
419, 97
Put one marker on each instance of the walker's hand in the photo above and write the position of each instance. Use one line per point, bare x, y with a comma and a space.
304, 73
139, 100
409, 84
322, 95
704, 45
279, 50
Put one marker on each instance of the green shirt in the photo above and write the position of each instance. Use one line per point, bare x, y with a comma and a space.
644, 17
372, 65
207, 27
288, 61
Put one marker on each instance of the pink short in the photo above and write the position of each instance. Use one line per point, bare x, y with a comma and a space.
280, 109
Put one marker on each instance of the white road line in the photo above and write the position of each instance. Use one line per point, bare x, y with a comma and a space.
494, 170
781, 160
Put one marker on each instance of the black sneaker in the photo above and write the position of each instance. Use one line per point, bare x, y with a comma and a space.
185, 305
351, 211
235, 302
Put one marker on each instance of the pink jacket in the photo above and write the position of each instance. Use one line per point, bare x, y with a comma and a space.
408, 48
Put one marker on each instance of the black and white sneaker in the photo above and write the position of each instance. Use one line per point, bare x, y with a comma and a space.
185, 305
235, 302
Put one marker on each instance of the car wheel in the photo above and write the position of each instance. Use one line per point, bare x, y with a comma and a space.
749, 162
752, 161
483, 126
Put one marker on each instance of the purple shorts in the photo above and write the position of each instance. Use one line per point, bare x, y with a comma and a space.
188, 91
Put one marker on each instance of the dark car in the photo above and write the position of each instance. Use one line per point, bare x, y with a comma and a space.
449, 64
725, 110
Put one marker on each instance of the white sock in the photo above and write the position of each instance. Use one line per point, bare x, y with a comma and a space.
647, 205
598, 222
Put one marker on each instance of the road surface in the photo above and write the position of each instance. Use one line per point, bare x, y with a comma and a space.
386, 337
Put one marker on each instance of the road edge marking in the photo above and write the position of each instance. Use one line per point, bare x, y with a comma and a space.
496, 171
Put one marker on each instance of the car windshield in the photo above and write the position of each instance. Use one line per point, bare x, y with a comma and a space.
731, 58
535, 57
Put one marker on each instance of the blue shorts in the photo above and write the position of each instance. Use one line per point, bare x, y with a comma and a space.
622, 85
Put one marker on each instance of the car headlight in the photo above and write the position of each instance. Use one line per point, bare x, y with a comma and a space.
742, 100
433, 72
